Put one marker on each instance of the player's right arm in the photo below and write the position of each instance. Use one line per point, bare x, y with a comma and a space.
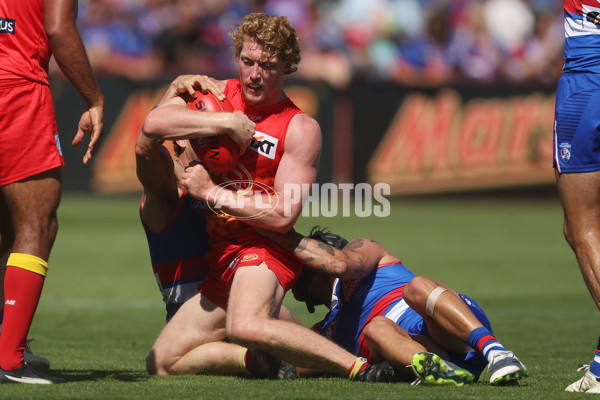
355, 261
71, 57
173, 120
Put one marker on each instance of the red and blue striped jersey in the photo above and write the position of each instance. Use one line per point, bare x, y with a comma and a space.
582, 35
177, 252
356, 302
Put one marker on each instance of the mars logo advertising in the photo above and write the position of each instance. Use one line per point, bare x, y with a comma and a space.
7, 25
264, 144
444, 143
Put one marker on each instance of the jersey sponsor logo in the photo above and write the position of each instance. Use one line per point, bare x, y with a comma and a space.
7, 25
254, 118
10, 302
264, 144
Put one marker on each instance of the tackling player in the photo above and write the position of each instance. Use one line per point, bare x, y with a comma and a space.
174, 222
381, 311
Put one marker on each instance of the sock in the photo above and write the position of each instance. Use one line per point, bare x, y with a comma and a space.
246, 362
595, 364
484, 341
22, 290
357, 367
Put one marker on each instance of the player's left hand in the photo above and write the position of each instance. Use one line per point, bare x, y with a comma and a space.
92, 121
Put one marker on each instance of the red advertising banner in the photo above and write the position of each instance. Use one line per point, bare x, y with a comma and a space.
440, 143
416, 140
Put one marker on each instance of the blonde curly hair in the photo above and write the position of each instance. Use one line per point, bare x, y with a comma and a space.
274, 33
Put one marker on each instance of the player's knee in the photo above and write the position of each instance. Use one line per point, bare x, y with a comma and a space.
156, 364
151, 365
417, 290
376, 327
582, 240
49, 228
569, 234
422, 294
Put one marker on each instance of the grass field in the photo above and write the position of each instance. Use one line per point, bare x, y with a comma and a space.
101, 310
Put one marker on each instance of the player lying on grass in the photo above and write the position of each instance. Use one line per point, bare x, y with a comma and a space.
395, 316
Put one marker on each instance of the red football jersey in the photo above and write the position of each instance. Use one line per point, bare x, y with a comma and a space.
24, 47
255, 171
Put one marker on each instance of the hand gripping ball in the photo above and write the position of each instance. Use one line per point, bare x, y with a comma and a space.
218, 153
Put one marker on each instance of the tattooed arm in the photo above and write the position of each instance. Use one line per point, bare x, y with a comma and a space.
355, 261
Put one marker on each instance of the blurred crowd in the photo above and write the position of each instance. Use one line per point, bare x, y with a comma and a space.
413, 42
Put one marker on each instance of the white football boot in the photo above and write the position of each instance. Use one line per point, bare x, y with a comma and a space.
506, 369
588, 383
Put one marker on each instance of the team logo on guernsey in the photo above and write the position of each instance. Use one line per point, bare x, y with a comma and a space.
7, 25
250, 257
264, 144
565, 151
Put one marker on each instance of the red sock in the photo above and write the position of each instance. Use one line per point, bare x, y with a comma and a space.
249, 362
22, 290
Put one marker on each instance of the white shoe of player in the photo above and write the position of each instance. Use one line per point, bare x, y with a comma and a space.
588, 383
506, 369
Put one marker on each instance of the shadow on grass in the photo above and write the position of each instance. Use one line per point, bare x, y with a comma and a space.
101, 375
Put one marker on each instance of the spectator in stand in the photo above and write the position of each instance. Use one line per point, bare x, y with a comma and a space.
115, 43
431, 42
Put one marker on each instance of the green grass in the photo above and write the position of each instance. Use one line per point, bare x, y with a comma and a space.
101, 309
